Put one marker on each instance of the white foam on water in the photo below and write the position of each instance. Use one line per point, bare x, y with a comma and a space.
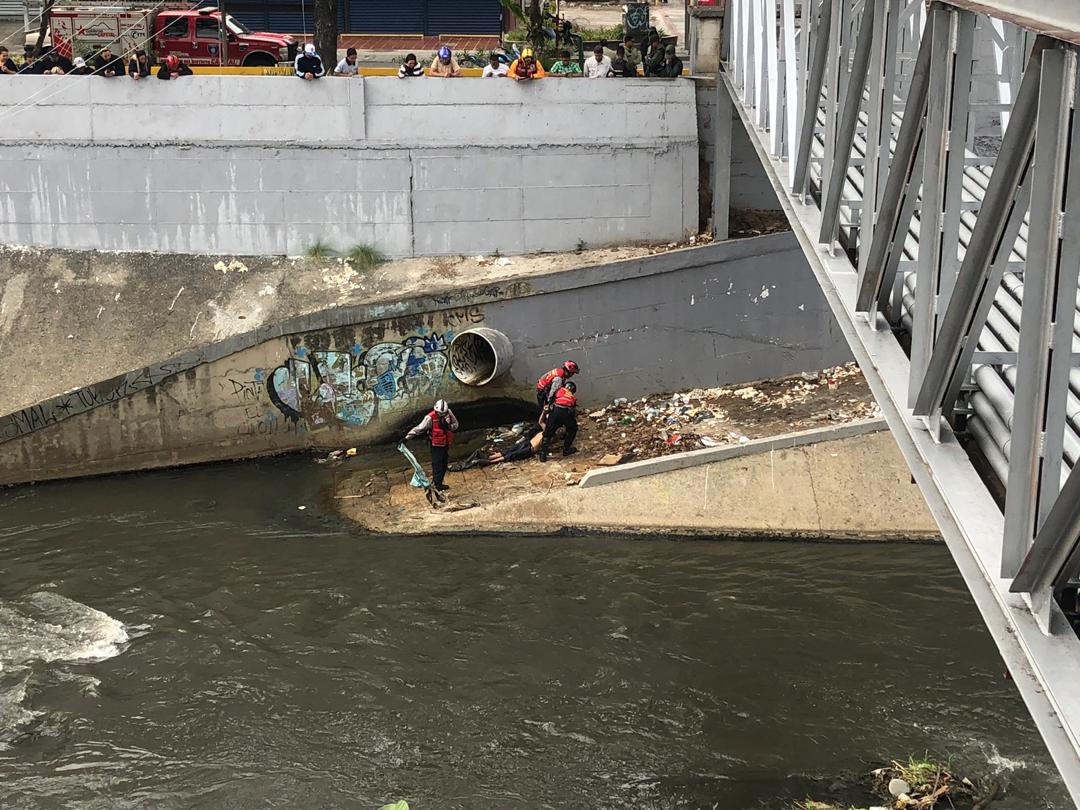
48, 627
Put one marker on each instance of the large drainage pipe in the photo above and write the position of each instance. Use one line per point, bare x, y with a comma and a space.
478, 356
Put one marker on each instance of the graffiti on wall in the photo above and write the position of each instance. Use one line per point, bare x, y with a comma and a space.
322, 388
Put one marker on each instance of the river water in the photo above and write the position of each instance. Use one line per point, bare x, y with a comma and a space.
194, 639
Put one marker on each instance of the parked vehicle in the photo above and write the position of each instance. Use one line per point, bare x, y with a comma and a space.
194, 35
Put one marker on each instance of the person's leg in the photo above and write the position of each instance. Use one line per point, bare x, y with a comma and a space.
549, 433
439, 458
570, 434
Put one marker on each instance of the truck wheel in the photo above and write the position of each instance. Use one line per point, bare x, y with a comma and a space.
260, 60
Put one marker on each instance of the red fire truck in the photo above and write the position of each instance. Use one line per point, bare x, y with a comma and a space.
193, 34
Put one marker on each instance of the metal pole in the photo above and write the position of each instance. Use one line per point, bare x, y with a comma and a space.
901, 174
722, 163
1032, 366
976, 282
845, 134
812, 97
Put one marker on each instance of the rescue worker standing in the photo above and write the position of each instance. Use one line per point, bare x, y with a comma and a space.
550, 383
439, 425
563, 415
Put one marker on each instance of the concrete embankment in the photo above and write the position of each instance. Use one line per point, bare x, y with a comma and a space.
852, 488
355, 373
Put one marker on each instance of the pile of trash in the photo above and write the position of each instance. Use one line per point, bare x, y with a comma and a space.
709, 417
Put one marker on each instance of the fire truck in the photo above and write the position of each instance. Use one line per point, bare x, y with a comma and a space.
193, 34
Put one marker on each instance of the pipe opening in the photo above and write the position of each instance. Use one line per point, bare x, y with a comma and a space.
478, 356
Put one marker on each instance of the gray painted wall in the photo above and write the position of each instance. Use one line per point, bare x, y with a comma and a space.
269, 165
723, 313
750, 186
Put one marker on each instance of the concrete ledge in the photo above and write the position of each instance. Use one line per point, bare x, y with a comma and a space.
709, 455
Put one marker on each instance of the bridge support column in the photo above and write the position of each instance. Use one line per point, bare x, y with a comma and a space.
722, 163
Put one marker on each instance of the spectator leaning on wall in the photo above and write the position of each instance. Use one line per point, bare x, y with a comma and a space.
139, 65
308, 64
80, 68
108, 65
598, 66
410, 68
444, 65
173, 68
672, 65
621, 66
347, 66
565, 67
494, 69
526, 67
7, 64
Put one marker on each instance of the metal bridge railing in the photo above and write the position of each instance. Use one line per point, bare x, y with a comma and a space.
924, 154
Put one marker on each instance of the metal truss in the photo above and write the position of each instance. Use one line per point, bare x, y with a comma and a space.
929, 161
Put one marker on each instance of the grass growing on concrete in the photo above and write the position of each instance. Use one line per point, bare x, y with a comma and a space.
365, 257
320, 249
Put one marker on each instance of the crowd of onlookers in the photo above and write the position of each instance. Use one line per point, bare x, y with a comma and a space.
650, 58
104, 63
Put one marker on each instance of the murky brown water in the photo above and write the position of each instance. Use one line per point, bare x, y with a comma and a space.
250, 654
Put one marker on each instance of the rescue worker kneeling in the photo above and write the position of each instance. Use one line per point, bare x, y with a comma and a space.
550, 383
440, 425
563, 415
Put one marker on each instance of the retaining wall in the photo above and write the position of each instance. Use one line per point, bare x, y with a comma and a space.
704, 317
270, 165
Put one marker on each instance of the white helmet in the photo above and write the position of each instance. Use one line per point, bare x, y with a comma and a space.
442, 407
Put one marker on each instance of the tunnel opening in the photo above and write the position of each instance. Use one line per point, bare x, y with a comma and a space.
478, 356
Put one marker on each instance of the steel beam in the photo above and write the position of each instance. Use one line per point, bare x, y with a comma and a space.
821, 23
1032, 367
975, 287
940, 92
845, 131
900, 178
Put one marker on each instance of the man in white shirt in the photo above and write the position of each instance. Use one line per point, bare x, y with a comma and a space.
347, 66
494, 69
598, 66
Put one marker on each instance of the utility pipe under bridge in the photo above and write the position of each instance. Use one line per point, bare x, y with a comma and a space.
928, 158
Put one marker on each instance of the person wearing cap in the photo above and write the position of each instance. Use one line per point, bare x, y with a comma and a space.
444, 65
652, 54
139, 65
173, 68
598, 66
494, 69
80, 68
565, 67
308, 64
672, 65
526, 67
439, 425
410, 67
7, 64
348, 66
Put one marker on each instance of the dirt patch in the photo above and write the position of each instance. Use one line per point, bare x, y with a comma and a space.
672, 423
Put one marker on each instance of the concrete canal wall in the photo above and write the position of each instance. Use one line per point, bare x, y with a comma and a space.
713, 315
269, 165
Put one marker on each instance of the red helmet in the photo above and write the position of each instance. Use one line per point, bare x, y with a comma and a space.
570, 367
172, 61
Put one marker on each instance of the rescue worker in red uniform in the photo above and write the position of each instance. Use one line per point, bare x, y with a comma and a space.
439, 425
563, 415
551, 382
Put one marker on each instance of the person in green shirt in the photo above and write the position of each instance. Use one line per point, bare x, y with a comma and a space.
565, 67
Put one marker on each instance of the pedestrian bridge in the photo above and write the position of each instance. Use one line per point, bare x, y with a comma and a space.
924, 155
